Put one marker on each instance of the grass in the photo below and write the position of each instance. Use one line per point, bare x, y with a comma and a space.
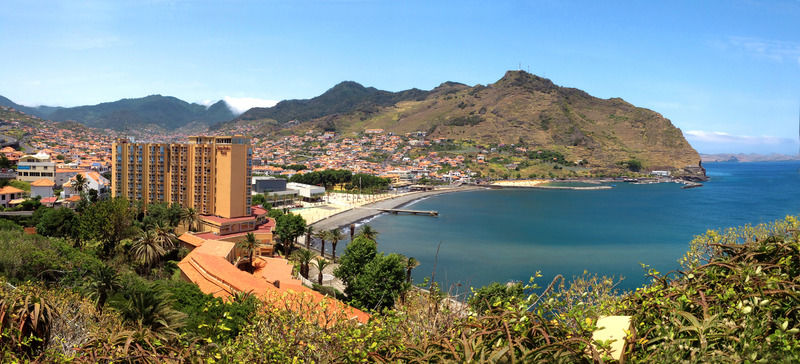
25, 186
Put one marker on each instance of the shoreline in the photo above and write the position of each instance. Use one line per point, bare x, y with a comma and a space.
357, 214
360, 213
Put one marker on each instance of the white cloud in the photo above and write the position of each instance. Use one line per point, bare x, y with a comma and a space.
241, 104
718, 137
774, 50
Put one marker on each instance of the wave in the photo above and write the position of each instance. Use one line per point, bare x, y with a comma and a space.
362, 222
412, 203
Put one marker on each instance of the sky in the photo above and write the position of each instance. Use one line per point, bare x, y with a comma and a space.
726, 72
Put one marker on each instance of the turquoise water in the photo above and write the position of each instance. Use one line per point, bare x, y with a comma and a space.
502, 235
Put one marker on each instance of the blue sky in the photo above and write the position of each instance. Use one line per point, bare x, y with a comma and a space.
726, 72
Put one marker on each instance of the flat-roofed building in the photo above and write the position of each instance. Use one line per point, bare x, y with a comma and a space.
209, 173
307, 192
33, 167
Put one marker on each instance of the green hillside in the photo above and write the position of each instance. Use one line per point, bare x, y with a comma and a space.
520, 109
345, 97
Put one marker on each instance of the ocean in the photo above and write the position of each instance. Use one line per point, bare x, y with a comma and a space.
510, 234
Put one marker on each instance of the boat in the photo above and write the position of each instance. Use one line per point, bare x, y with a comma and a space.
691, 185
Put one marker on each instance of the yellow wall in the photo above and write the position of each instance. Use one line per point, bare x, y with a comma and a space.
209, 174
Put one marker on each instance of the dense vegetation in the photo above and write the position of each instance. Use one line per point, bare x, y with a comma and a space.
332, 177
734, 299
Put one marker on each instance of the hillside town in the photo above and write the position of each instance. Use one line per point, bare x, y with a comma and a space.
403, 158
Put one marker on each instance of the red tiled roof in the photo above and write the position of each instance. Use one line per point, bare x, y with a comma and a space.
191, 239
213, 274
9, 189
43, 182
258, 210
222, 220
49, 199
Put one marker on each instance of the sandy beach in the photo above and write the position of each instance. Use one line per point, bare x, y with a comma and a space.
520, 183
339, 215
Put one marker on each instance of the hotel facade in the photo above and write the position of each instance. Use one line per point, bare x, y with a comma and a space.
209, 173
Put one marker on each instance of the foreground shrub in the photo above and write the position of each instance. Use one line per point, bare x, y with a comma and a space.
736, 300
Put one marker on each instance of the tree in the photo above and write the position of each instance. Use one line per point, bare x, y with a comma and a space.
147, 249
250, 245
258, 199
335, 236
411, 263
57, 223
356, 256
174, 214
165, 238
4, 162
80, 183
103, 282
321, 263
368, 232
380, 283
309, 234
288, 227
322, 236
304, 258
108, 221
151, 309
189, 216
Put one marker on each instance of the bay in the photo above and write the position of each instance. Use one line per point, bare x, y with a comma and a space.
510, 234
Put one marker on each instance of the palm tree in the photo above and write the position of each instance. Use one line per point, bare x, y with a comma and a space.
335, 236
250, 244
189, 216
147, 248
165, 238
309, 233
80, 183
102, 284
411, 263
368, 232
322, 236
152, 309
321, 263
304, 258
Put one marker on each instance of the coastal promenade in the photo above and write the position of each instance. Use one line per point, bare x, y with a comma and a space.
355, 214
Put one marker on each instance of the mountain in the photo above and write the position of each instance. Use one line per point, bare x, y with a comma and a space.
155, 110
165, 112
745, 158
347, 96
520, 108
40, 111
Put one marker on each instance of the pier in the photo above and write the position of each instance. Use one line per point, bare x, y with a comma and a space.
414, 212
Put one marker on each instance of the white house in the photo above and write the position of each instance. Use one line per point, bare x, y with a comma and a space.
95, 181
42, 187
305, 191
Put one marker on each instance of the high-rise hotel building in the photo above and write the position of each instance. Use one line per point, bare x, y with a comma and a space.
209, 173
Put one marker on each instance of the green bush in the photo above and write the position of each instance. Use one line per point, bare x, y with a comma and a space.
494, 294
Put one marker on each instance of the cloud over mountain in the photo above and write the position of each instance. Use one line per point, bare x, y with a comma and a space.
241, 104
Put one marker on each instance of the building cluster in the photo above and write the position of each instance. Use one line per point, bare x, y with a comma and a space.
212, 175
378, 153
